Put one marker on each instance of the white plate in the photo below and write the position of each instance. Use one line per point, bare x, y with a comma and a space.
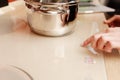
13, 73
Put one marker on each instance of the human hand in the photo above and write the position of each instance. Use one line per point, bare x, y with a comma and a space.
105, 41
114, 21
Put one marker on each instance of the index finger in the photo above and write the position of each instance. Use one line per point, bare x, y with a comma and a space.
88, 41
116, 17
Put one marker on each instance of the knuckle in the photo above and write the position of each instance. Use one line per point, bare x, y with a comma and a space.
103, 37
109, 43
95, 37
116, 16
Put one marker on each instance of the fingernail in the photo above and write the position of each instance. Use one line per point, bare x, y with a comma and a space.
82, 45
105, 21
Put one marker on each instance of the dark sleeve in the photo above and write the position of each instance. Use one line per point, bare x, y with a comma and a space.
3, 3
114, 4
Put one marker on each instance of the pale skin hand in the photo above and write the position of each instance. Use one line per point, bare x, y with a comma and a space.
108, 39
105, 41
114, 21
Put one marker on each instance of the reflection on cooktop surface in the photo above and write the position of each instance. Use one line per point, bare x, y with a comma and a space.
5, 24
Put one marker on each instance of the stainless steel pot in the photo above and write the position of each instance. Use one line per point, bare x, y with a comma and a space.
52, 17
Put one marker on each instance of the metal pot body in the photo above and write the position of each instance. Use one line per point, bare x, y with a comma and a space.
52, 20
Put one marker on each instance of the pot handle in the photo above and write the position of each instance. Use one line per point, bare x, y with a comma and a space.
65, 17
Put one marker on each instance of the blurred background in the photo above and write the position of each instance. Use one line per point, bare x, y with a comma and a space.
115, 4
5, 2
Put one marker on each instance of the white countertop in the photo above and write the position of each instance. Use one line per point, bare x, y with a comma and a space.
50, 58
